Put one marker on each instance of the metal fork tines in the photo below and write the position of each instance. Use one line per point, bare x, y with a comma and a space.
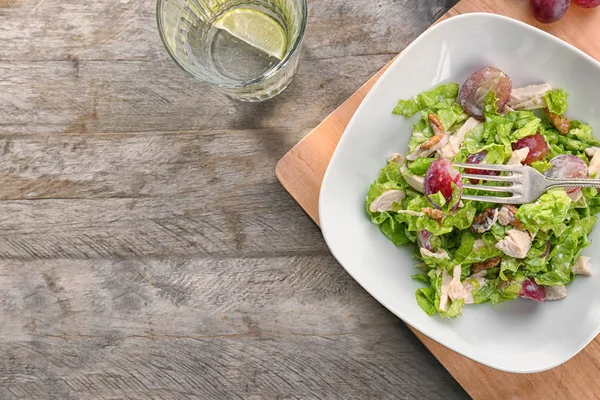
525, 184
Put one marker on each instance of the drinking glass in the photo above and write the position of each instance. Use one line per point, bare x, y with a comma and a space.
223, 61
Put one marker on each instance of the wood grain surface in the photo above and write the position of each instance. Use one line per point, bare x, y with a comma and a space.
301, 171
147, 250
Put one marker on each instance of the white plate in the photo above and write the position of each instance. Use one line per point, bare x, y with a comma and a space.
519, 336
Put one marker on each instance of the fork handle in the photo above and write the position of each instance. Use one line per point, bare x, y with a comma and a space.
552, 183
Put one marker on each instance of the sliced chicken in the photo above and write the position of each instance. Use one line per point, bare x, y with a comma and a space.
414, 181
518, 156
506, 216
591, 151
385, 201
452, 146
516, 243
575, 196
555, 292
529, 97
452, 288
582, 266
424, 150
594, 167
396, 157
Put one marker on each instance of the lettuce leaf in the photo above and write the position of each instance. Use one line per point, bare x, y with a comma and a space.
489, 104
408, 108
557, 101
425, 300
583, 132
497, 291
546, 213
526, 126
420, 165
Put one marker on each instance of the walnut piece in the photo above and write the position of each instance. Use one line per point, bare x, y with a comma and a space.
487, 264
438, 215
560, 122
432, 141
436, 124
484, 221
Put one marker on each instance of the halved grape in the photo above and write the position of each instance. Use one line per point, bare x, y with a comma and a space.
477, 158
538, 148
475, 89
439, 179
587, 3
548, 11
567, 166
532, 290
423, 239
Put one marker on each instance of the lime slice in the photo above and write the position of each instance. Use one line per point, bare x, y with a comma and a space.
255, 28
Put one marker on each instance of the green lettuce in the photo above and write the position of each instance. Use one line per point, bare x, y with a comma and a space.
526, 125
557, 101
425, 300
420, 165
583, 132
443, 93
489, 104
497, 291
546, 213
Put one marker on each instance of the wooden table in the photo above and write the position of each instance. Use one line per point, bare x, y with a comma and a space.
147, 250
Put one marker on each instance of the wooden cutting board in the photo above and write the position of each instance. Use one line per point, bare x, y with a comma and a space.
301, 172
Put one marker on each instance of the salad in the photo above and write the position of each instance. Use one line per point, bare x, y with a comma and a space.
476, 252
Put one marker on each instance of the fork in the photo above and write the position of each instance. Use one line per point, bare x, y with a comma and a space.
525, 183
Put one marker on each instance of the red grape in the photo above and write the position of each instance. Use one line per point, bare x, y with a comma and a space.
475, 89
532, 290
439, 179
567, 166
587, 3
548, 11
538, 148
477, 158
423, 239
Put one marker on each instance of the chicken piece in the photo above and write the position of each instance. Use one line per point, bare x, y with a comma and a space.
507, 214
591, 151
446, 279
516, 243
452, 288
456, 140
594, 167
555, 292
396, 157
529, 97
414, 181
440, 254
575, 196
582, 266
428, 147
518, 156
385, 201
